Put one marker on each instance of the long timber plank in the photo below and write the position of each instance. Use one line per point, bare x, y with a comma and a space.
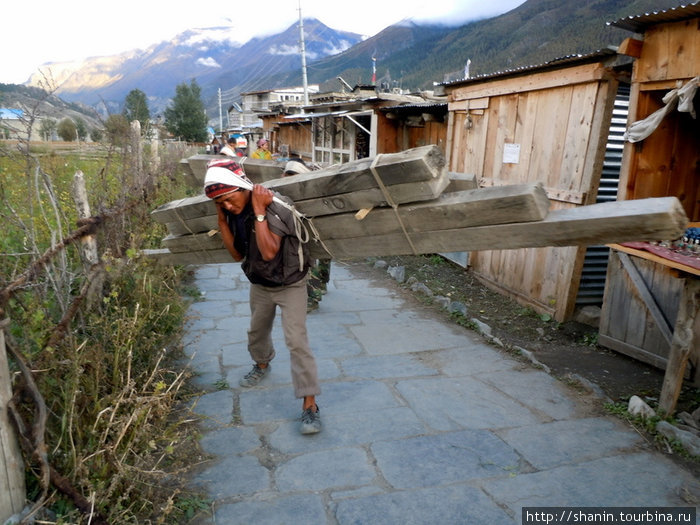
463, 209
417, 174
604, 223
494, 205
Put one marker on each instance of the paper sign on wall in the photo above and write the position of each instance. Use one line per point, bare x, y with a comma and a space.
511, 153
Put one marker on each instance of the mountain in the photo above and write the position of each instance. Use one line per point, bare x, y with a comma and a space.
410, 56
31, 99
208, 55
415, 57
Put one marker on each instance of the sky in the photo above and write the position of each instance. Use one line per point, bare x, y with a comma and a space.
71, 30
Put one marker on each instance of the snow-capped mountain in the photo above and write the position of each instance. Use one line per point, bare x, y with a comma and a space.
210, 55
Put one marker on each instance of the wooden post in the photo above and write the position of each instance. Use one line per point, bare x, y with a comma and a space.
136, 150
88, 244
686, 339
12, 490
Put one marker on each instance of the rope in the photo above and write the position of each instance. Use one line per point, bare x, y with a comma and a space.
390, 202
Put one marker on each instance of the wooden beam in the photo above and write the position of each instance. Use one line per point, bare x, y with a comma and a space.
464, 209
686, 341
631, 47
257, 170
409, 176
555, 194
644, 219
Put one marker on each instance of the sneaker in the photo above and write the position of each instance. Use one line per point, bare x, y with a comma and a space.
254, 377
310, 421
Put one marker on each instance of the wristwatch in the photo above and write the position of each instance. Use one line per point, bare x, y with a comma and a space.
260, 218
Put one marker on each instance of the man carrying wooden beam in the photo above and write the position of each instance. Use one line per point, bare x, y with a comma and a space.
261, 230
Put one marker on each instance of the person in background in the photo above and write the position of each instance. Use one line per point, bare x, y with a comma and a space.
262, 233
230, 148
263, 151
320, 271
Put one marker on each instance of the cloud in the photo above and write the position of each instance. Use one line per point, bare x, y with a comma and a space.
207, 62
283, 50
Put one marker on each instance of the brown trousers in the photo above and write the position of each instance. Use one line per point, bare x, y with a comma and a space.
292, 302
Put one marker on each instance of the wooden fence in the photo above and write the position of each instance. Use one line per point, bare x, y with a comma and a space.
16, 436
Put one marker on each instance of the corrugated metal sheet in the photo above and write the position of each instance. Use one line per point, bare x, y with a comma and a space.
638, 23
595, 264
556, 63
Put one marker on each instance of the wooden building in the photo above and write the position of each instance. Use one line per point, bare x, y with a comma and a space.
651, 309
342, 127
549, 124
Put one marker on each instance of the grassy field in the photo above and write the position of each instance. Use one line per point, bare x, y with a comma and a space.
102, 341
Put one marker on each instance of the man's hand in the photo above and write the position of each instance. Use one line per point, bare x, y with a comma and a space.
262, 198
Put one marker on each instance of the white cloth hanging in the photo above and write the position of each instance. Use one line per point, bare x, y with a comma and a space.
681, 98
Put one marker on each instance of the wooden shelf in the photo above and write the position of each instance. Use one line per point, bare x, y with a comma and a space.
643, 254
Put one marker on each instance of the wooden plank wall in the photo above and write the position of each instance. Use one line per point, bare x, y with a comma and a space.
560, 121
298, 137
670, 51
394, 135
667, 163
640, 308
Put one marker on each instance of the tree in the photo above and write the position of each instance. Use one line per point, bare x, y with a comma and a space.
47, 128
81, 129
66, 130
186, 117
117, 129
136, 108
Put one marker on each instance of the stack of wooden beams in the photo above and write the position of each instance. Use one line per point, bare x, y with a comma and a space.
407, 203
194, 168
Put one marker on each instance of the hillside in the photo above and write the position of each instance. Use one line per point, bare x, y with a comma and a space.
33, 99
535, 32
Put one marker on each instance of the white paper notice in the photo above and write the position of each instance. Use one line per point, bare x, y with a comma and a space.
511, 153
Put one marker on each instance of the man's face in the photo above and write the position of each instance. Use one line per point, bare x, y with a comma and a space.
234, 202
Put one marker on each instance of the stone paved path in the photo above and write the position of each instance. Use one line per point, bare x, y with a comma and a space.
424, 422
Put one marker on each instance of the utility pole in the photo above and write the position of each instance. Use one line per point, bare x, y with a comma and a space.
374, 70
221, 120
303, 57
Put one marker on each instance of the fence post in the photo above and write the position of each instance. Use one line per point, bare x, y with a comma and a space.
12, 490
88, 244
136, 150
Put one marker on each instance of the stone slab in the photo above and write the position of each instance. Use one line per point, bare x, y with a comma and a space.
350, 429
456, 403
571, 441
641, 479
460, 504
220, 482
328, 469
536, 389
384, 367
276, 510
231, 440
391, 332
445, 458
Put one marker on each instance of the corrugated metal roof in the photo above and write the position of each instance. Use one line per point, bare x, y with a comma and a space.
427, 107
638, 23
551, 64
